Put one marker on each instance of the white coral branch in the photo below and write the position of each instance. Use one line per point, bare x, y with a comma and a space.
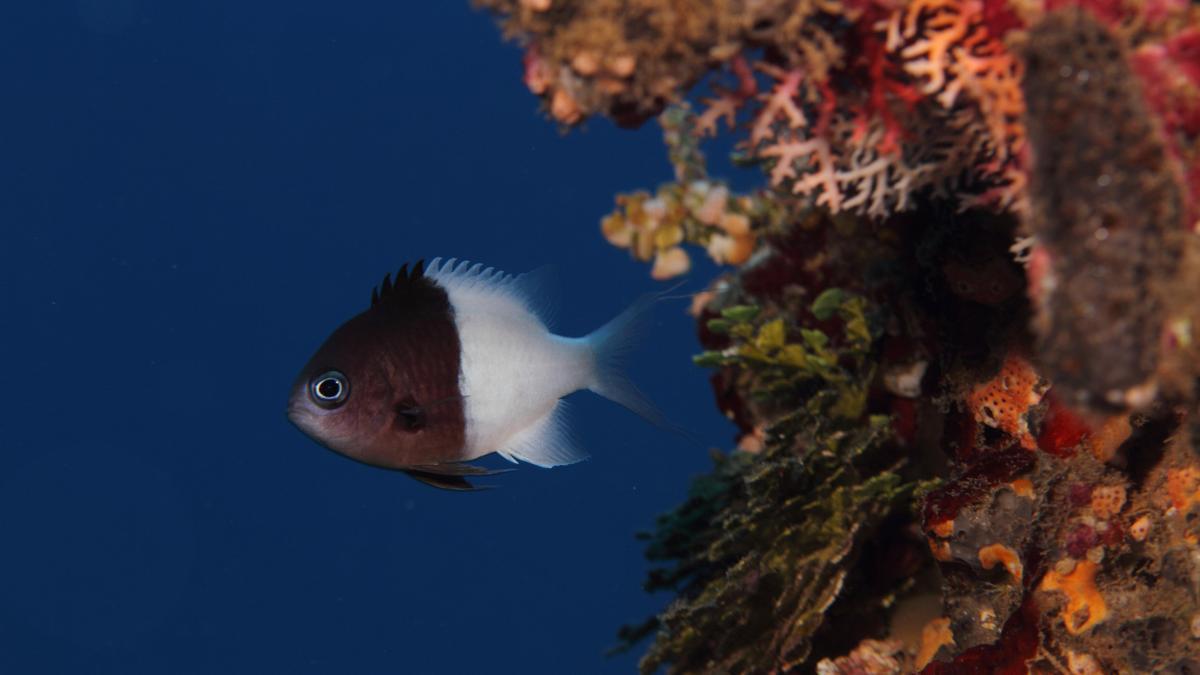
723, 107
780, 103
806, 152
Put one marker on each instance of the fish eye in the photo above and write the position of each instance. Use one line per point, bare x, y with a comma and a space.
330, 389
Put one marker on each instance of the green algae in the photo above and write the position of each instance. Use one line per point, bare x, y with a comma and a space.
764, 544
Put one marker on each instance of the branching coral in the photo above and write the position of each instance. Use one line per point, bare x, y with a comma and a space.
947, 47
851, 133
941, 111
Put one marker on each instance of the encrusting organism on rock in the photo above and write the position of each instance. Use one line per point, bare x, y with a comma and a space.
1108, 214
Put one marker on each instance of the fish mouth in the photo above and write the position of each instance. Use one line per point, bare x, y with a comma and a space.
301, 418
312, 422
293, 412
308, 421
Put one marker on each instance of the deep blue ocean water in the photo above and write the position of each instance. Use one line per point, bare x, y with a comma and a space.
192, 195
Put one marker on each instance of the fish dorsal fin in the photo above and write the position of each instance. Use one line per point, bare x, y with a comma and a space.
406, 283
482, 286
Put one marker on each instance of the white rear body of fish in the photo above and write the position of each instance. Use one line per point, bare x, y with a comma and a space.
514, 371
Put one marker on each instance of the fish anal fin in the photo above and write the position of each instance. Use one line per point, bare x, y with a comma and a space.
545, 443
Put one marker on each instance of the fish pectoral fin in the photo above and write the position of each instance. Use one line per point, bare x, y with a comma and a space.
444, 482
411, 415
456, 469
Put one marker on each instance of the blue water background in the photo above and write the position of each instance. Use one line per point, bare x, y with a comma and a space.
192, 195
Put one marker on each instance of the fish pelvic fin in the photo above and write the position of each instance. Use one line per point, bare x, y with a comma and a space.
443, 482
451, 475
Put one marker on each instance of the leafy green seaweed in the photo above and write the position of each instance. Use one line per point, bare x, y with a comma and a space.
765, 543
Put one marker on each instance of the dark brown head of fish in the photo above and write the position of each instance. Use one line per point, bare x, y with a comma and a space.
384, 388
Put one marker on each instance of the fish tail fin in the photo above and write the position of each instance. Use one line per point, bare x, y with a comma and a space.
611, 345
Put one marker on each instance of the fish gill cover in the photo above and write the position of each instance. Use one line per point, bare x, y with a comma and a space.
958, 337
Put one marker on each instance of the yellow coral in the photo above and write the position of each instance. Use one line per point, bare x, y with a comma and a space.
617, 230
670, 263
726, 250
698, 212
1112, 433
934, 636
564, 107
1107, 500
1003, 401
943, 529
1085, 606
1183, 487
1083, 664
1023, 487
1140, 528
940, 550
999, 553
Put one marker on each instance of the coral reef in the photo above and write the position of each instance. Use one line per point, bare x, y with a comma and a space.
957, 337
